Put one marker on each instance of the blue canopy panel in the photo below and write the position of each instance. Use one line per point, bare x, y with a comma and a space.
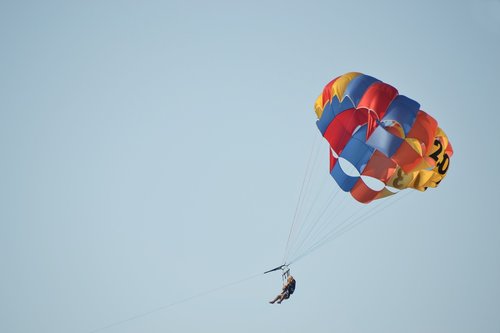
358, 153
360, 133
403, 110
345, 182
384, 141
331, 110
357, 87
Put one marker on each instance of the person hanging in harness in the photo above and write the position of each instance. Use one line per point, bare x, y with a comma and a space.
288, 289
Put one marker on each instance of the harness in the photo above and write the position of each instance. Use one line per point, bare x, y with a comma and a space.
284, 276
286, 273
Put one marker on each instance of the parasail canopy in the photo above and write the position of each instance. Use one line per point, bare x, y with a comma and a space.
380, 141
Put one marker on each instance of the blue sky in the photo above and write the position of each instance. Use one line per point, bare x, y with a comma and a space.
151, 151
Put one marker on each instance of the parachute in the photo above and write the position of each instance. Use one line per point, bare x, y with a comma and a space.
380, 141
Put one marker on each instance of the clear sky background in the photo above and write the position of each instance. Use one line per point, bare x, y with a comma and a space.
151, 151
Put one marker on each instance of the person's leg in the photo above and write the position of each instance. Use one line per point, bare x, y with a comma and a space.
282, 297
275, 299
